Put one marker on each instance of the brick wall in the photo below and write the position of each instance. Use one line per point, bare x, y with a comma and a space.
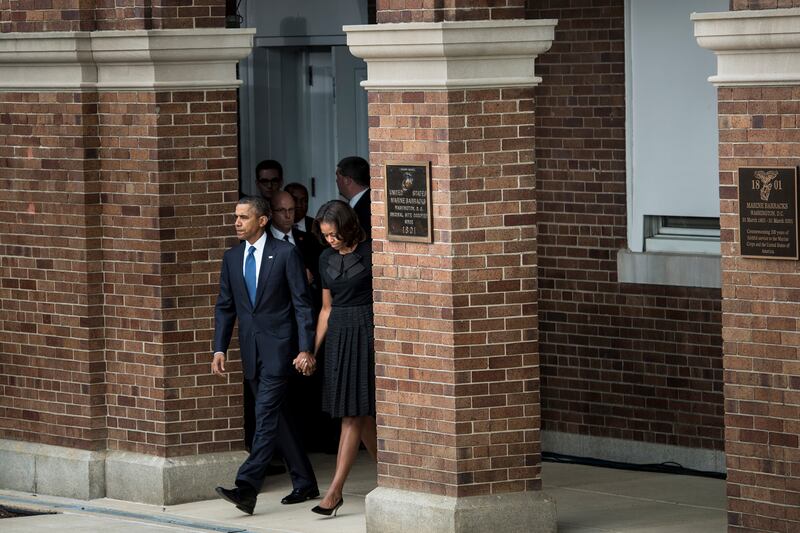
112, 233
739, 5
51, 304
448, 10
457, 363
637, 362
169, 180
759, 127
91, 15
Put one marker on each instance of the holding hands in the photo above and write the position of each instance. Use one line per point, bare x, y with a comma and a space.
305, 363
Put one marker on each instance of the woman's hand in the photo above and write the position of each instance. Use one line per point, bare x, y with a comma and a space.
305, 363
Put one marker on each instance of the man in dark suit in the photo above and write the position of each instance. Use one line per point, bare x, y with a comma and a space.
305, 392
302, 221
352, 179
281, 227
263, 285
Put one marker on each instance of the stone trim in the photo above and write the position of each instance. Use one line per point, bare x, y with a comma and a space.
669, 268
86, 475
753, 48
451, 55
399, 511
123, 60
54, 470
168, 480
628, 451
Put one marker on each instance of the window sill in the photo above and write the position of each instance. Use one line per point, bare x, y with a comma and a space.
669, 268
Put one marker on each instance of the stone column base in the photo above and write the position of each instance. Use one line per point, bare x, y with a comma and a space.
54, 470
85, 475
169, 481
400, 511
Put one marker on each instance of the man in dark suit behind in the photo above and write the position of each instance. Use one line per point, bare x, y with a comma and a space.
302, 221
352, 179
263, 285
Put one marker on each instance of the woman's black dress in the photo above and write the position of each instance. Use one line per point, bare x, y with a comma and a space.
349, 367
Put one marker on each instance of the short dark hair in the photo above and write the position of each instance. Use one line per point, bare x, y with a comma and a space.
269, 164
342, 216
258, 203
296, 186
355, 168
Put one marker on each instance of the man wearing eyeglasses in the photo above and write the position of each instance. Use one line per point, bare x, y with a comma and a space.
269, 178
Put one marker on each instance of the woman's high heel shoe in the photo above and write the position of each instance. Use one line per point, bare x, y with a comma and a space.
326, 511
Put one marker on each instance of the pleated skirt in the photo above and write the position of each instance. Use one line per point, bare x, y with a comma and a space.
348, 387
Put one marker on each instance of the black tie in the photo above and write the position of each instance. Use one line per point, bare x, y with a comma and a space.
286, 238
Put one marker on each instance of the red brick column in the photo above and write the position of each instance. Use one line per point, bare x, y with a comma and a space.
759, 102
457, 361
117, 184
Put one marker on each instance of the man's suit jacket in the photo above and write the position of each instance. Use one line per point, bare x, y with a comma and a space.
310, 249
363, 209
280, 324
309, 224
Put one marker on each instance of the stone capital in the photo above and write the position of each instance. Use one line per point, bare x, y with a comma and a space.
123, 60
754, 48
451, 55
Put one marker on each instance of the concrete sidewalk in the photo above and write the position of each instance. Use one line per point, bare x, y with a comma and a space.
588, 499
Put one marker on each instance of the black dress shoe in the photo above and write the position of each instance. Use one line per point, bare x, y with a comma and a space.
243, 499
300, 495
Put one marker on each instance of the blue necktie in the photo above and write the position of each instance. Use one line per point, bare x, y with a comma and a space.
250, 274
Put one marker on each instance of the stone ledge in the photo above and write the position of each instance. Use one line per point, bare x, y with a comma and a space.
669, 268
169, 481
86, 475
451, 55
753, 48
55, 470
123, 60
628, 451
400, 511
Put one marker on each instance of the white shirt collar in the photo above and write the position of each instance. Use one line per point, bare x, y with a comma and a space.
356, 197
278, 234
301, 224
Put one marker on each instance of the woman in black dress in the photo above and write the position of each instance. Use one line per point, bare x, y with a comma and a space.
346, 325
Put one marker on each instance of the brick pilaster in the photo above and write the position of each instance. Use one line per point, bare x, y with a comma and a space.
117, 184
457, 362
758, 106
761, 346
51, 333
169, 168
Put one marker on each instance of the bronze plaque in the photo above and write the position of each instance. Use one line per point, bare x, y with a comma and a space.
768, 212
408, 202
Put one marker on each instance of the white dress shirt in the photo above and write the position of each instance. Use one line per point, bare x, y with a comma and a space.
278, 234
259, 253
356, 197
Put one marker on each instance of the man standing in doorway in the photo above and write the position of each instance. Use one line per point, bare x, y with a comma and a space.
263, 287
299, 192
352, 179
269, 178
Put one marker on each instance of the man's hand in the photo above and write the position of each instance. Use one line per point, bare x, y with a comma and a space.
305, 363
218, 364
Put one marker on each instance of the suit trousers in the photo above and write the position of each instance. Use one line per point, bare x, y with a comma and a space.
273, 432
